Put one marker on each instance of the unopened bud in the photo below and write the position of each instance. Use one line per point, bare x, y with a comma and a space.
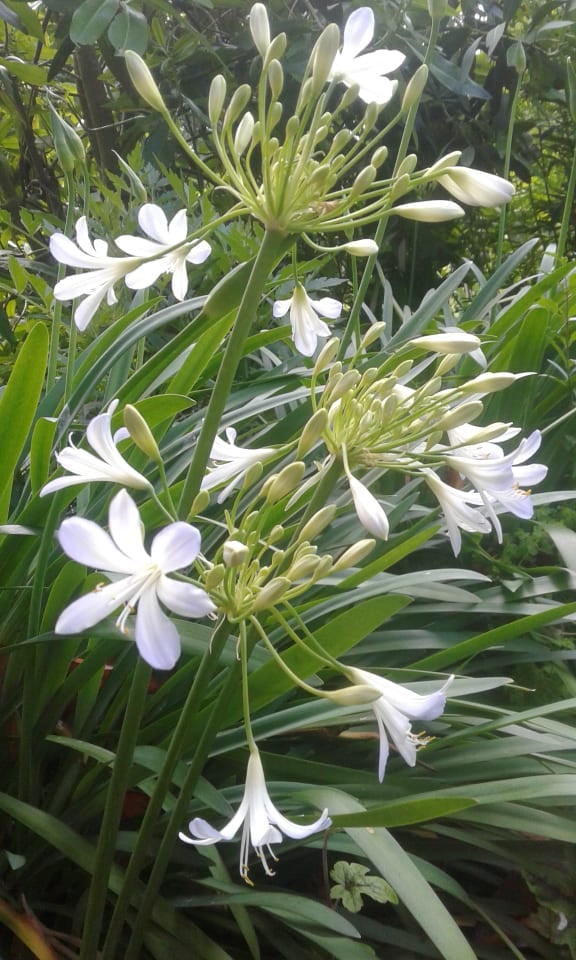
437, 9
358, 695
140, 433
303, 568
275, 78
277, 49
67, 144
450, 160
274, 117
456, 341
277, 532
312, 432
269, 595
370, 118
323, 567
252, 475
370, 336
379, 156
318, 522
235, 553
199, 504
347, 382
243, 134
463, 413
215, 576
354, 555
238, 103
260, 28
400, 186
361, 248
216, 98
350, 96
281, 484
429, 211
490, 382
323, 56
415, 88
408, 165
326, 355
363, 181
143, 81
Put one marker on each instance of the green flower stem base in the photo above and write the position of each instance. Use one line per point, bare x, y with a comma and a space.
273, 245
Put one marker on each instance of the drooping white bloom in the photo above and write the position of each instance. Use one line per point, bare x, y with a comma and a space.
361, 248
262, 824
103, 272
367, 70
370, 514
167, 250
458, 509
305, 319
429, 211
233, 462
451, 341
475, 187
395, 709
106, 463
143, 578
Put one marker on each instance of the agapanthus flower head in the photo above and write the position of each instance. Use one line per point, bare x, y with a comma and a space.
395, 710
233, 462
305, 313
140, 579
368, 70
105, 464
262, 824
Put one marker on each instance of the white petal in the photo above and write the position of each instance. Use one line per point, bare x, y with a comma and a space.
145, 275
296, 830
153, 222
66, 251
138, 246
175, 547
178, 229
384, 750
87, 543
93, 607
184, 599
370, 513
126, 528
86, 310
358, 31
180, 281
328, 307
281, 308
199, 252
156, 636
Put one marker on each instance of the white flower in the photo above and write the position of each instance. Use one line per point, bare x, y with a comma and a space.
370, 514
143, 578
233, 461
368, 69
475, 187
98, 282
106, 463
305, 318
395, 709
168, 248
429, 211
451, 341
458, 510
262, 823
361, 248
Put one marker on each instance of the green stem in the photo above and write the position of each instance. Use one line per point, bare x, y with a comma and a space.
568, 208
245, 690
354, 317
173, 755
178, 815
57, 313
321, 494
113, 811
264, 263
506, 171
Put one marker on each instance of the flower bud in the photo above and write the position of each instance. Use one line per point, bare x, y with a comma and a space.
275, 78
274, 118
277, 49
349, 97
140, 433
199, 504
437, 9
269, 595
361, 248
370, 118
243, 134
143, 81
475, 187
415, 88
379, 156
237, 104
252, 475
67, 144
429, 211
216, 98
455, 341
303, 568
260, 28
215, 576
312, 432
326, 355
281, 484
357, 695
318, 522
450, 160
490, 382
324, 566
363, 181
348, 381
400, 186
369, 337
323, 56
354, 555
463, 413
277, 532
407, 166
234, 553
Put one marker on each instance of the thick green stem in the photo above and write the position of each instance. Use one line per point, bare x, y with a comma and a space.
113, 812
192, 705
567, 214
162, 856
57, 313
506, 171
354, 318
272, 245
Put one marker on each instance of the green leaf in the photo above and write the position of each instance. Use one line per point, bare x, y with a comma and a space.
90, 20
129, 30
400, 813
27, 72
28, 21
41, 451
18, 405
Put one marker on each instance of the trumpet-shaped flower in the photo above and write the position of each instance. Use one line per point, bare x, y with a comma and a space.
370, 514
475, 187
305, 318
458, 509
106, 463
166, 250
262, 824
233, 463
103, 272
143, 582
394, 710
368, 70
